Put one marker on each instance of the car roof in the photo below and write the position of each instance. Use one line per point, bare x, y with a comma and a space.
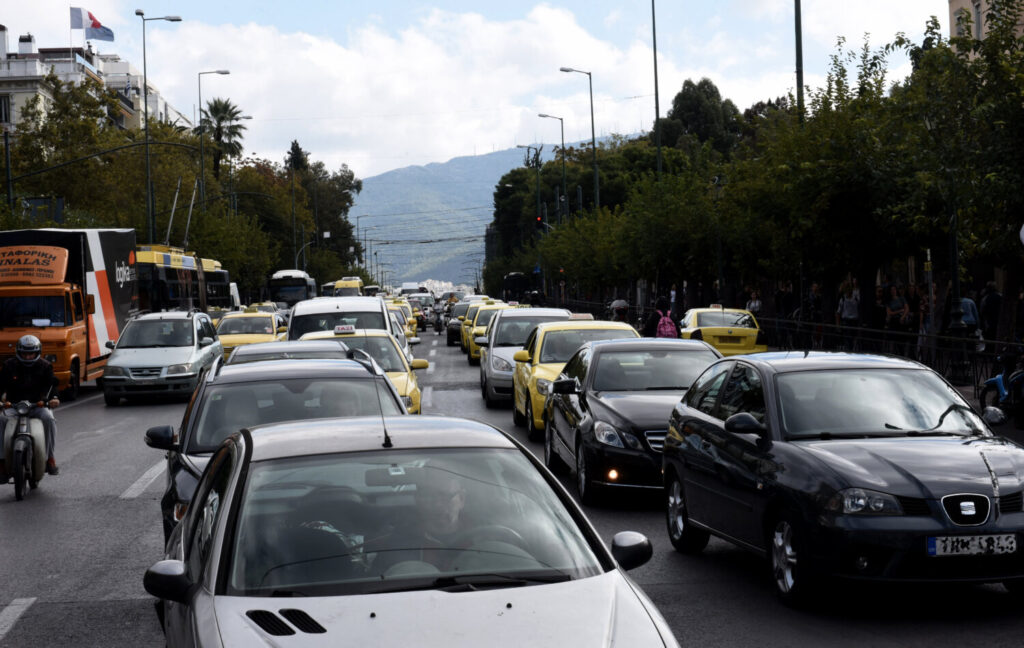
296, 345
237, 314
331, 335
641, 344
168, 315
356, 434
786, 361
574, 325
718, 310
535, 312
327, 304
272, 370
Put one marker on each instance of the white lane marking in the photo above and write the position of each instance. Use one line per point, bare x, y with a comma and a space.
142, 483
431, 368
433, 352
80, 401
10, 614
425, 400
433, 342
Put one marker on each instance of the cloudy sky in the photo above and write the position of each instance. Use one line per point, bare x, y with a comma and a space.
386, 84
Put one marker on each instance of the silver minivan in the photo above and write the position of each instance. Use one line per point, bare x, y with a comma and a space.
160, 354
507, 334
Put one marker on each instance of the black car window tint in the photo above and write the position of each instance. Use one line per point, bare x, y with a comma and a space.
574, 366
205, 510
704, 393
742, 393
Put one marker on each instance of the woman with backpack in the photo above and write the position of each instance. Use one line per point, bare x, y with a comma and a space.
660, 323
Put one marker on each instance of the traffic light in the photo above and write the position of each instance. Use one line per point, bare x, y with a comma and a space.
539, 224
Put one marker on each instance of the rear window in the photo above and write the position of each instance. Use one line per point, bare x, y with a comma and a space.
302, 324
558, 346
740, 320
513, 331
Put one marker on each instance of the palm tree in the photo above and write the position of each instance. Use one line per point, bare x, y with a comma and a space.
221, 119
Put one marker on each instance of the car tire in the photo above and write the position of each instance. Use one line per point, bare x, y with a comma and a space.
111, 399
793, 580
685, 538
19, 473
551, 458
473, 362
517, 419
489, 402
70, 393
532, 432
585, 487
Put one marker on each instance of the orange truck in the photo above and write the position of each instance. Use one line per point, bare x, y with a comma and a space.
74, 290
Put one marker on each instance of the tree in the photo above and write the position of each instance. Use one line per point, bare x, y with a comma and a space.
221, 118
704, 116
297, 158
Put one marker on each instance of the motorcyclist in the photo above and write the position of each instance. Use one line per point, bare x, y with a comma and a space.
28, 376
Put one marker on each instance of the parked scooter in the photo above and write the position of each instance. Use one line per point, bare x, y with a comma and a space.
1006, 390
24, 447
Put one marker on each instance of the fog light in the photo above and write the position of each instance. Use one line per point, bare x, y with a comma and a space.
613, 474
861, 563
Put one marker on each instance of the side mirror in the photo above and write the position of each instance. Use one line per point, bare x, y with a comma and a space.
521, 355
745, 423
993, 416
111, 344
480, 341
90, 304
420, 363
565, 386
168, 580
414, 340
462, 318
206, 341
630, 549
160, 437
282, 329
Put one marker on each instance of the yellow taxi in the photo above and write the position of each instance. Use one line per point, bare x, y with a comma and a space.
478, 327
540, 361
469, 317
250, 326
731, 331
264, 307
383, 348
403, 319
409, 315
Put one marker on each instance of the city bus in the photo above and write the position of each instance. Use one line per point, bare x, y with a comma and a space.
291, 287
172, 279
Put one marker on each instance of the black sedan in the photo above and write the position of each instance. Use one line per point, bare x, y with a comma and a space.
607, 413
233, 396
843, 465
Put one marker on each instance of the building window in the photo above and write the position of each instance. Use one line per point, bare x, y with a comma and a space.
977, 19
5, 109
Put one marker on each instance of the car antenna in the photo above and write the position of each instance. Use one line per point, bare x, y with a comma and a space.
364, 358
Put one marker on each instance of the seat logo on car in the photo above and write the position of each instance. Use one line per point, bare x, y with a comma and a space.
968, 508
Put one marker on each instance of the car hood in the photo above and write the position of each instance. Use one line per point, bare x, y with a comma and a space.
924, 467
548, 371
599, 611
401, 382
642, 410
152, 357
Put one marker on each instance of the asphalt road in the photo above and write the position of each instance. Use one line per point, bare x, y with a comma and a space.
73, 553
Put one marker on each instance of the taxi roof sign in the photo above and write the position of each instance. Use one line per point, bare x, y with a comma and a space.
581, 316
341, 329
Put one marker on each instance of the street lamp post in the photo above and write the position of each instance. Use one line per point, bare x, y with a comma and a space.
202, 137
593, 138
150, 215
564, 203
528, 149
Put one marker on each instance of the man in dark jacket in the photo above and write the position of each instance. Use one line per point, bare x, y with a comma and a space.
28, 376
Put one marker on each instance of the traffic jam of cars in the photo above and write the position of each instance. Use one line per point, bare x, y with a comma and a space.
297, 472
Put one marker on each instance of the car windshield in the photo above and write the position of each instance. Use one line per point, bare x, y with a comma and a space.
246, 326
471, 313
460, 309
513, 331
32, 311
302, 324
142, 334
230, 407
246, 354
346, 291
558, 346
871, 402
402, 520
650, 370
725, 318
380, 348
399, 315
484, 317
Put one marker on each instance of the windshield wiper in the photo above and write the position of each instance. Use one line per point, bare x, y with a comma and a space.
472, 582
280, 593
828, 436
933, 432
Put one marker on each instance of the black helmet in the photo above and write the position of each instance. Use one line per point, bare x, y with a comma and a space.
28, 349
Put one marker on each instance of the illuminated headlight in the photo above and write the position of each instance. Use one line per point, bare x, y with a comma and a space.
500, 364
51, 358
861, 501
114, 371
608, 434
543, 386
179, 369
408, 401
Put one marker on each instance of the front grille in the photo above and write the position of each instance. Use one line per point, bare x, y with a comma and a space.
303, 621
145, 372
270, 623
655, 439
1012, 503
914, 506
966, 509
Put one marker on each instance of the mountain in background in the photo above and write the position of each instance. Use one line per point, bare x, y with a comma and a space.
428, 222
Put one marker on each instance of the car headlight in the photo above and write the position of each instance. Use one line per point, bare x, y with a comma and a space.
179, 368
608, 434
501, 364
861, 501
543, 386
408, 401
114, 371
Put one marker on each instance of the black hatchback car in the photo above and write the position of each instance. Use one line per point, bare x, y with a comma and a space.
607, 413
843, 465
231, 397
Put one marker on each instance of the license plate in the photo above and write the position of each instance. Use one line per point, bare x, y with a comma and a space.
729, 339
977, 545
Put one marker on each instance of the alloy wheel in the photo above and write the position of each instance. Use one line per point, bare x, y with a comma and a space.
784, 558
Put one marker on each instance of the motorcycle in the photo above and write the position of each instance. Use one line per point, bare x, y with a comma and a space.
24, 447
1006, 390
439, 323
